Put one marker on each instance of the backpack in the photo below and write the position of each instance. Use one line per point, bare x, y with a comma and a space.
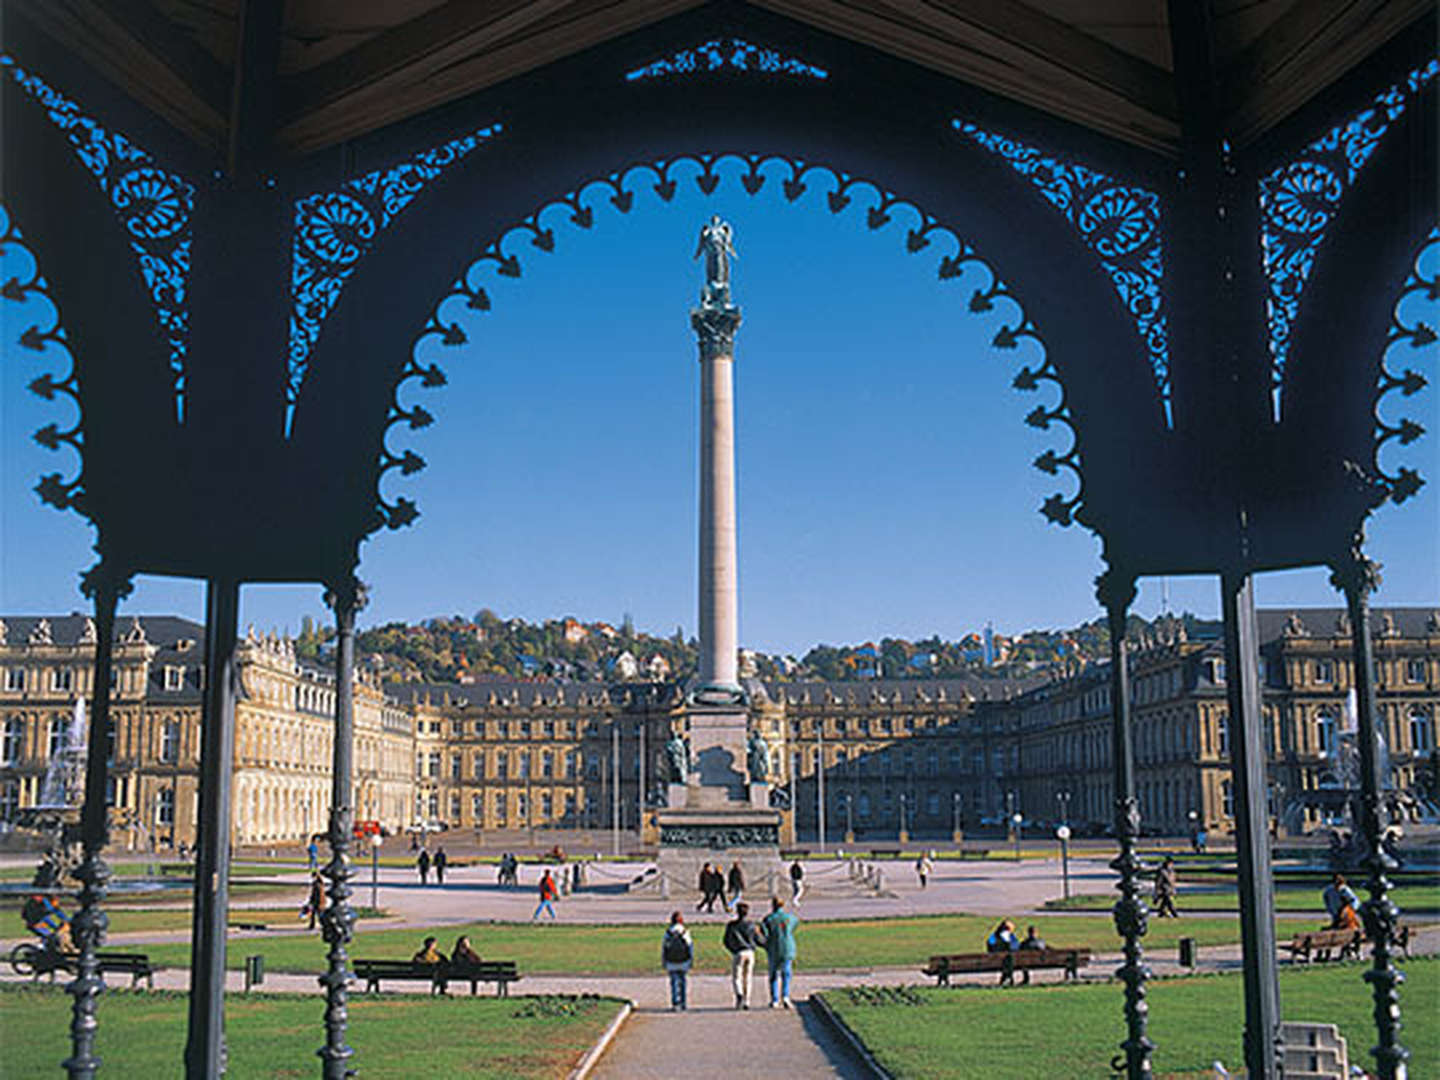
676, 949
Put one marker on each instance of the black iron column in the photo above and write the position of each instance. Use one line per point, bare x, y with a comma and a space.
1357, 577
338, 920
205, 1045
1252, 832
106, 587
1116, 592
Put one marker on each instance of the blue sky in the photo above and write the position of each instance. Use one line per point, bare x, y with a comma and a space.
885, 485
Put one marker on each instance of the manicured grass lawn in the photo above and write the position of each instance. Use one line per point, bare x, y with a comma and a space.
399, 1036
1058, 1030
620, 949
1306, 900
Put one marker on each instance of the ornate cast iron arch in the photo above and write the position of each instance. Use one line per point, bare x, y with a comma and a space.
1413, 322
1099, 361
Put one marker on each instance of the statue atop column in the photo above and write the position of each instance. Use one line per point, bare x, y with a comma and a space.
759, 758
717, 244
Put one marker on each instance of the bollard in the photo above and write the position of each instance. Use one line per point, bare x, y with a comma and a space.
254, 971
1187, 952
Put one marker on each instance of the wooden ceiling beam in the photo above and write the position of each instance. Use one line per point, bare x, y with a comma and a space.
1314, 45
574, 27
414, 49
144, 55
1055, 43
872, 23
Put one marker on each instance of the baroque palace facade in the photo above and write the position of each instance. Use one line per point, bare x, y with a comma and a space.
876, 759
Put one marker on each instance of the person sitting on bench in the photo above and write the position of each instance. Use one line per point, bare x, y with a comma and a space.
429, 954
463, 956
1003, 938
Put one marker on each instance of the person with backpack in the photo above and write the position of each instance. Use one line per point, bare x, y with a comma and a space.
677, 952
742, 938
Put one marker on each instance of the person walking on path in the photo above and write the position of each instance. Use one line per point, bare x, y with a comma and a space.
923, 869
778, 929
1165, 886
742, 938
313, 850
441, 861
797, 883
422, 863
712, 884
547, 896
316, 904
677, 952
736, 884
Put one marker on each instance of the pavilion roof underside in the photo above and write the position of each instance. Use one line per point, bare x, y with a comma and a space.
349, 67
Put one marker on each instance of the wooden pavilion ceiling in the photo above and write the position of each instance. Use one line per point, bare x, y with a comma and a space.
347, 67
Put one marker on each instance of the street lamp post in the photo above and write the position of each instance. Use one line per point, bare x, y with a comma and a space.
955, 834
820, 781
904, 832
375, 871
1063, 834
849, 823
1016, 819
640, 782
615, 788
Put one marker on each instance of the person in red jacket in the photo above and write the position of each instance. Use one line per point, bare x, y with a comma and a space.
547, 896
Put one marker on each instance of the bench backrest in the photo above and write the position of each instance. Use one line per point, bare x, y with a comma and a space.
1018, 958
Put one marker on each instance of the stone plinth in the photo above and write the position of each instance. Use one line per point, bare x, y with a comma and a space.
689, 838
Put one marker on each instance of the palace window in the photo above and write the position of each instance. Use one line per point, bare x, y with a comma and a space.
55, 740
1227, 799
13, 740
9, 800
502, 765
456, 767
432, 765
455, 809
479, 766
15, 679
862, 806
503, 728
547, 764
932, 803
62, 679
500, 807
477, 808
165, 808
1327, 732
174, 678
524, 763
1324, 671
457, 728
524, 729
170, 742
547, 806
1222, 734
1415, 670
549, 729
434, 804
522, 807
1422, 733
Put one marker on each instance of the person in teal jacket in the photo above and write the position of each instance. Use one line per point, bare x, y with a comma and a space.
779, 929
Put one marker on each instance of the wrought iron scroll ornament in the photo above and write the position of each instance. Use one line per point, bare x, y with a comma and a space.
334, 230
1119, 222
153, 204
1300, 199
720, 54
24, 282
754, 172
1409, 329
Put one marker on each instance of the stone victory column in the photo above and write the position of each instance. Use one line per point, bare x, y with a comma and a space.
718, 804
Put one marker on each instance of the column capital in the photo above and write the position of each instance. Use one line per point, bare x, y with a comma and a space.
715, 326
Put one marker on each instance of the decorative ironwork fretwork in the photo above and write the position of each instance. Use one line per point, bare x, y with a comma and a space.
1119, 222
25, 285
734, 54
1299, 200
334, 230
153, 204
1412, 327
960, 264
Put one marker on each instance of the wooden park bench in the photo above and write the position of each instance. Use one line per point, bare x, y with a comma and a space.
1319, 944
501, 972
136, 965
1007, 963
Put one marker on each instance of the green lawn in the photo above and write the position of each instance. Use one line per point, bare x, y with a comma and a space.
1288, 900
396, 1036
1075, 1030
620, 949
